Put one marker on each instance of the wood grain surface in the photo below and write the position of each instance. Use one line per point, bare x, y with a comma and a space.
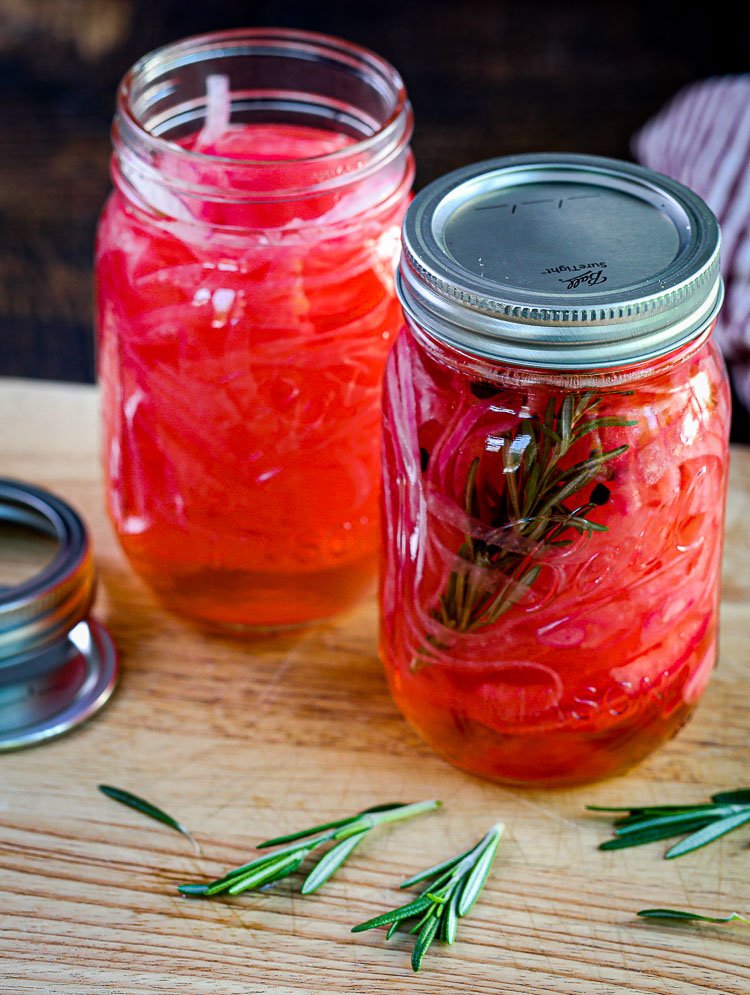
241, 740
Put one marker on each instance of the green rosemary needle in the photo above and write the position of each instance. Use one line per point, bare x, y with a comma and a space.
691, 916
727, 811
346, 834
452, 888
149, 809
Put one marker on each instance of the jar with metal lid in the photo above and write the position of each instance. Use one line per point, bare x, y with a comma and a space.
556, 421
245, 307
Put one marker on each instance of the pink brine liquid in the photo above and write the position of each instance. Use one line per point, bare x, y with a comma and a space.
571, 658
241, 355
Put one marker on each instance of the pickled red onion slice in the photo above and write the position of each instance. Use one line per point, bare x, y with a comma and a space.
218, 111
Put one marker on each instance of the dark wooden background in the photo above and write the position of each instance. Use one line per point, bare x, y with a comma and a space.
486, 78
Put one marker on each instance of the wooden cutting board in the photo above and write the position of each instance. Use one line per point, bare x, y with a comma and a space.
243, 740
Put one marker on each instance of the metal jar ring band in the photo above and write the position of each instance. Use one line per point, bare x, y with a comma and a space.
57, 666
44, 609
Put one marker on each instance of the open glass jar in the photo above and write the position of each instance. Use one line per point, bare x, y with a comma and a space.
556, 422
246, 303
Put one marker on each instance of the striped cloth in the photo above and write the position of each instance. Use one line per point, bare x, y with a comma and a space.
702, 139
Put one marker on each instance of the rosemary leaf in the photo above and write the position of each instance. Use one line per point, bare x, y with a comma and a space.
613, 808
578, 476
511, 463
262, 870
330, 863
436, 871
579, 523
371, 817
451, 919
565, 423
306, 846
284, 872
262, 875
302, 833
662, 832
739, 797
693, 916
676, 820
469, 497
395, 915
149, 809
511, 593
478, 876
599, 423
530, 445
531, 489
546, 427
196, 890
651, 810
423, 942
708, 834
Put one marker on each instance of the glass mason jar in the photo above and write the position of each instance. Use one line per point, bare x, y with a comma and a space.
245, 306
556, 421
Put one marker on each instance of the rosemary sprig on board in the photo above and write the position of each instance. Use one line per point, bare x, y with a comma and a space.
691, 916
727, 811
536, 504
346, 834
453, 888
149, 809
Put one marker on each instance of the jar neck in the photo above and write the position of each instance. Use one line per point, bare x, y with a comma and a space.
515, 376
267, 81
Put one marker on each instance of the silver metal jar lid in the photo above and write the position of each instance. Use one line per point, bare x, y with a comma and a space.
560, 262
57, 665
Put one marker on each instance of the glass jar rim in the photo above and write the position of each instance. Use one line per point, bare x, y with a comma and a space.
306, 41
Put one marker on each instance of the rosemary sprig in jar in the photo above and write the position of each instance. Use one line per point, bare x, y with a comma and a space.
535, 507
